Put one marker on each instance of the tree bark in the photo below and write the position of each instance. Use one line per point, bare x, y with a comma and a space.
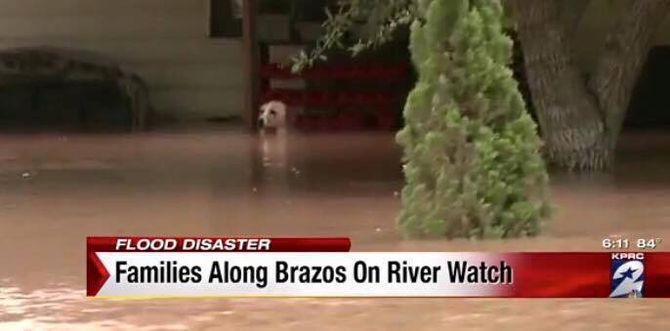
572, 12
571, 125
581, 120
624, 56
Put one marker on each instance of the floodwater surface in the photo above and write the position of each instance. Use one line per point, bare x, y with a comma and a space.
56, 189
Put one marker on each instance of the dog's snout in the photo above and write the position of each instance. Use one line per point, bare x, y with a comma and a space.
261, 123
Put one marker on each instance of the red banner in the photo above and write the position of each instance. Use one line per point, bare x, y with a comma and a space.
211, 244
114, 264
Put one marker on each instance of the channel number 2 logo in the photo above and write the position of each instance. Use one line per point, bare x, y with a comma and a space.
627, 278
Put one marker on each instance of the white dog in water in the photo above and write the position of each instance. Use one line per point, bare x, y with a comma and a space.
273, 125
273, 116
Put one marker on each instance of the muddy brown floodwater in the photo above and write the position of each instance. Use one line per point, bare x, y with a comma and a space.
56, 189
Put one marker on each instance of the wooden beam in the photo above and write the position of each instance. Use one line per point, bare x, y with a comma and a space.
251, 62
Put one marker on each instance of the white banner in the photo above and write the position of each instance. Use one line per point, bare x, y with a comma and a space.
305, 274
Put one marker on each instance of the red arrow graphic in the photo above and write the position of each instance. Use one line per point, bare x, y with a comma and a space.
96, 273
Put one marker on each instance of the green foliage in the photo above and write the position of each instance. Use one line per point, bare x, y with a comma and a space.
471, 151
386, 16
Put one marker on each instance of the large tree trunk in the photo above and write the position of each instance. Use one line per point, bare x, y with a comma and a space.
571, 125
624, 56
580, 121
572, 12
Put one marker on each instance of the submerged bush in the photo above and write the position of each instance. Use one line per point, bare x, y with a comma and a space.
471, 151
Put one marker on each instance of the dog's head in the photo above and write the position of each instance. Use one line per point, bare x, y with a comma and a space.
272, 115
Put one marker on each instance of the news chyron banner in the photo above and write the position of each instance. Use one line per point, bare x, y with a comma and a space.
325, 267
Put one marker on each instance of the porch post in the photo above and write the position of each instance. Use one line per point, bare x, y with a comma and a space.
251, 62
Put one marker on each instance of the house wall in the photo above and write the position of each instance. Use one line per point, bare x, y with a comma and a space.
165, 41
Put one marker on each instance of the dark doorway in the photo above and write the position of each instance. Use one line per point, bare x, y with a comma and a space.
649, 107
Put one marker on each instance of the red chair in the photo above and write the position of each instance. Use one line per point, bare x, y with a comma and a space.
266, 71
400, 71
280, 95
388, 74
292, 97
312, 99
386, 120
336, 71
306, 123
371, 99
342, 99
271, 95
357, 121
356, 98
322, 123
363, 72
320, 99
299, 122
377, 72
335, 123
340, 121
383, 99
342, 72
289, 97
352, 120
311, 73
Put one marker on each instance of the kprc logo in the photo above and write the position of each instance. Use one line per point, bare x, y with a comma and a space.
627, 275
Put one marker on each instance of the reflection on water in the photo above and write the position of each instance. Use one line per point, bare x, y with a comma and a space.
55, 190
